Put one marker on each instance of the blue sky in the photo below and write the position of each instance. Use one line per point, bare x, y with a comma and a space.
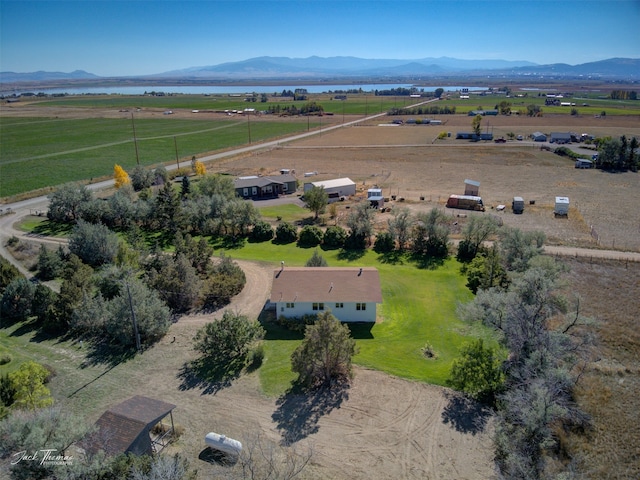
113, 37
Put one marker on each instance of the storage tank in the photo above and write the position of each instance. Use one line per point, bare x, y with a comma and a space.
223, 443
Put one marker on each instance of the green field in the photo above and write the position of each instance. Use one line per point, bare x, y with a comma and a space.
38, 152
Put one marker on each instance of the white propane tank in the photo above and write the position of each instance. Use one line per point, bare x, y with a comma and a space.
223, 443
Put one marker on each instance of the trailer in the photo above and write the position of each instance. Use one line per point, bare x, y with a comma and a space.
561, 208
466, 202
517, 205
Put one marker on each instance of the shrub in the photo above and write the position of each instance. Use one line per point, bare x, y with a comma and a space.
310, 236
262, 231
384, 243
334, 237
286, 233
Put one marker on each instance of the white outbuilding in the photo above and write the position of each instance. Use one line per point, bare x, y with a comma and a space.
336, 188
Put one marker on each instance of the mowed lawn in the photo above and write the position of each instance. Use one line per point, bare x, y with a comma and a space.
419, 307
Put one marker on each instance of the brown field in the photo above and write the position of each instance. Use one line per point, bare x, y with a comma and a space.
386, 427
407, 162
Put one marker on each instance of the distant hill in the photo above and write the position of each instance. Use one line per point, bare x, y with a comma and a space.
41, 76
336, 68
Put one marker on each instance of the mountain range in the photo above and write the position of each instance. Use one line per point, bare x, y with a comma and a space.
336, 68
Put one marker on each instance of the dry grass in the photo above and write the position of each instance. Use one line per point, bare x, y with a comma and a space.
610, 389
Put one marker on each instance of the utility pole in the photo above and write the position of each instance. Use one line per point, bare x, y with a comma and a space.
175, 144
135, 140
249, 127
133, 320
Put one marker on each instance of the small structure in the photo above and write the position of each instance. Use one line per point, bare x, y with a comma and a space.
465, 202
351, 293
127, 428
471, 187
375, 198
336, 188
584, 163
560, 138
259, 187
538, 137
561, 208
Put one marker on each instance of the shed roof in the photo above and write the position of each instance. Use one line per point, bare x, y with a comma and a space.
326, 284
336, 182
121, 425
263, 181
472, 182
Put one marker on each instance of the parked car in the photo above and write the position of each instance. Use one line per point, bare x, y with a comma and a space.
500, 140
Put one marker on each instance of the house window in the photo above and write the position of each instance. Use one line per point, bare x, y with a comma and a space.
339, 305
318, 306
291, 305
282, 309
245, 192
361, 306
284, 187
254, 191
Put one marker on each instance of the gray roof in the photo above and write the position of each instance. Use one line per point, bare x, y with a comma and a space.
263, 181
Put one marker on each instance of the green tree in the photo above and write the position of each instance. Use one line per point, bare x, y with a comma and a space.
29, 383
316, 200
430, 236
95, 244
477, 372
334, 237
66, 201
141, 178
49, 263
229, 340
438, 92
225, 281
486, 271
310, 236
384, 243
286, 233
8, 273
262, 231
360, 224
325, 354
477, 230
152, 316
16, 301
217, 184
316, 260
400, 226
517, 248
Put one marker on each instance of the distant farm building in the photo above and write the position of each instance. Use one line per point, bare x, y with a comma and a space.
375, 198
538, 137
473, 136
471, 187
350, 293
560, 137
336, 188
259, 187
473, 113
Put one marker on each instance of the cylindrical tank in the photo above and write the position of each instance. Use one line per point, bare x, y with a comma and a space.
223, 443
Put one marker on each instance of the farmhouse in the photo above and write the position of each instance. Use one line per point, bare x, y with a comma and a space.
259, 187
350, 293
336, 188
127, 428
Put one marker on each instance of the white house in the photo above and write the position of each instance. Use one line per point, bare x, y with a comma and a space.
350, 293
